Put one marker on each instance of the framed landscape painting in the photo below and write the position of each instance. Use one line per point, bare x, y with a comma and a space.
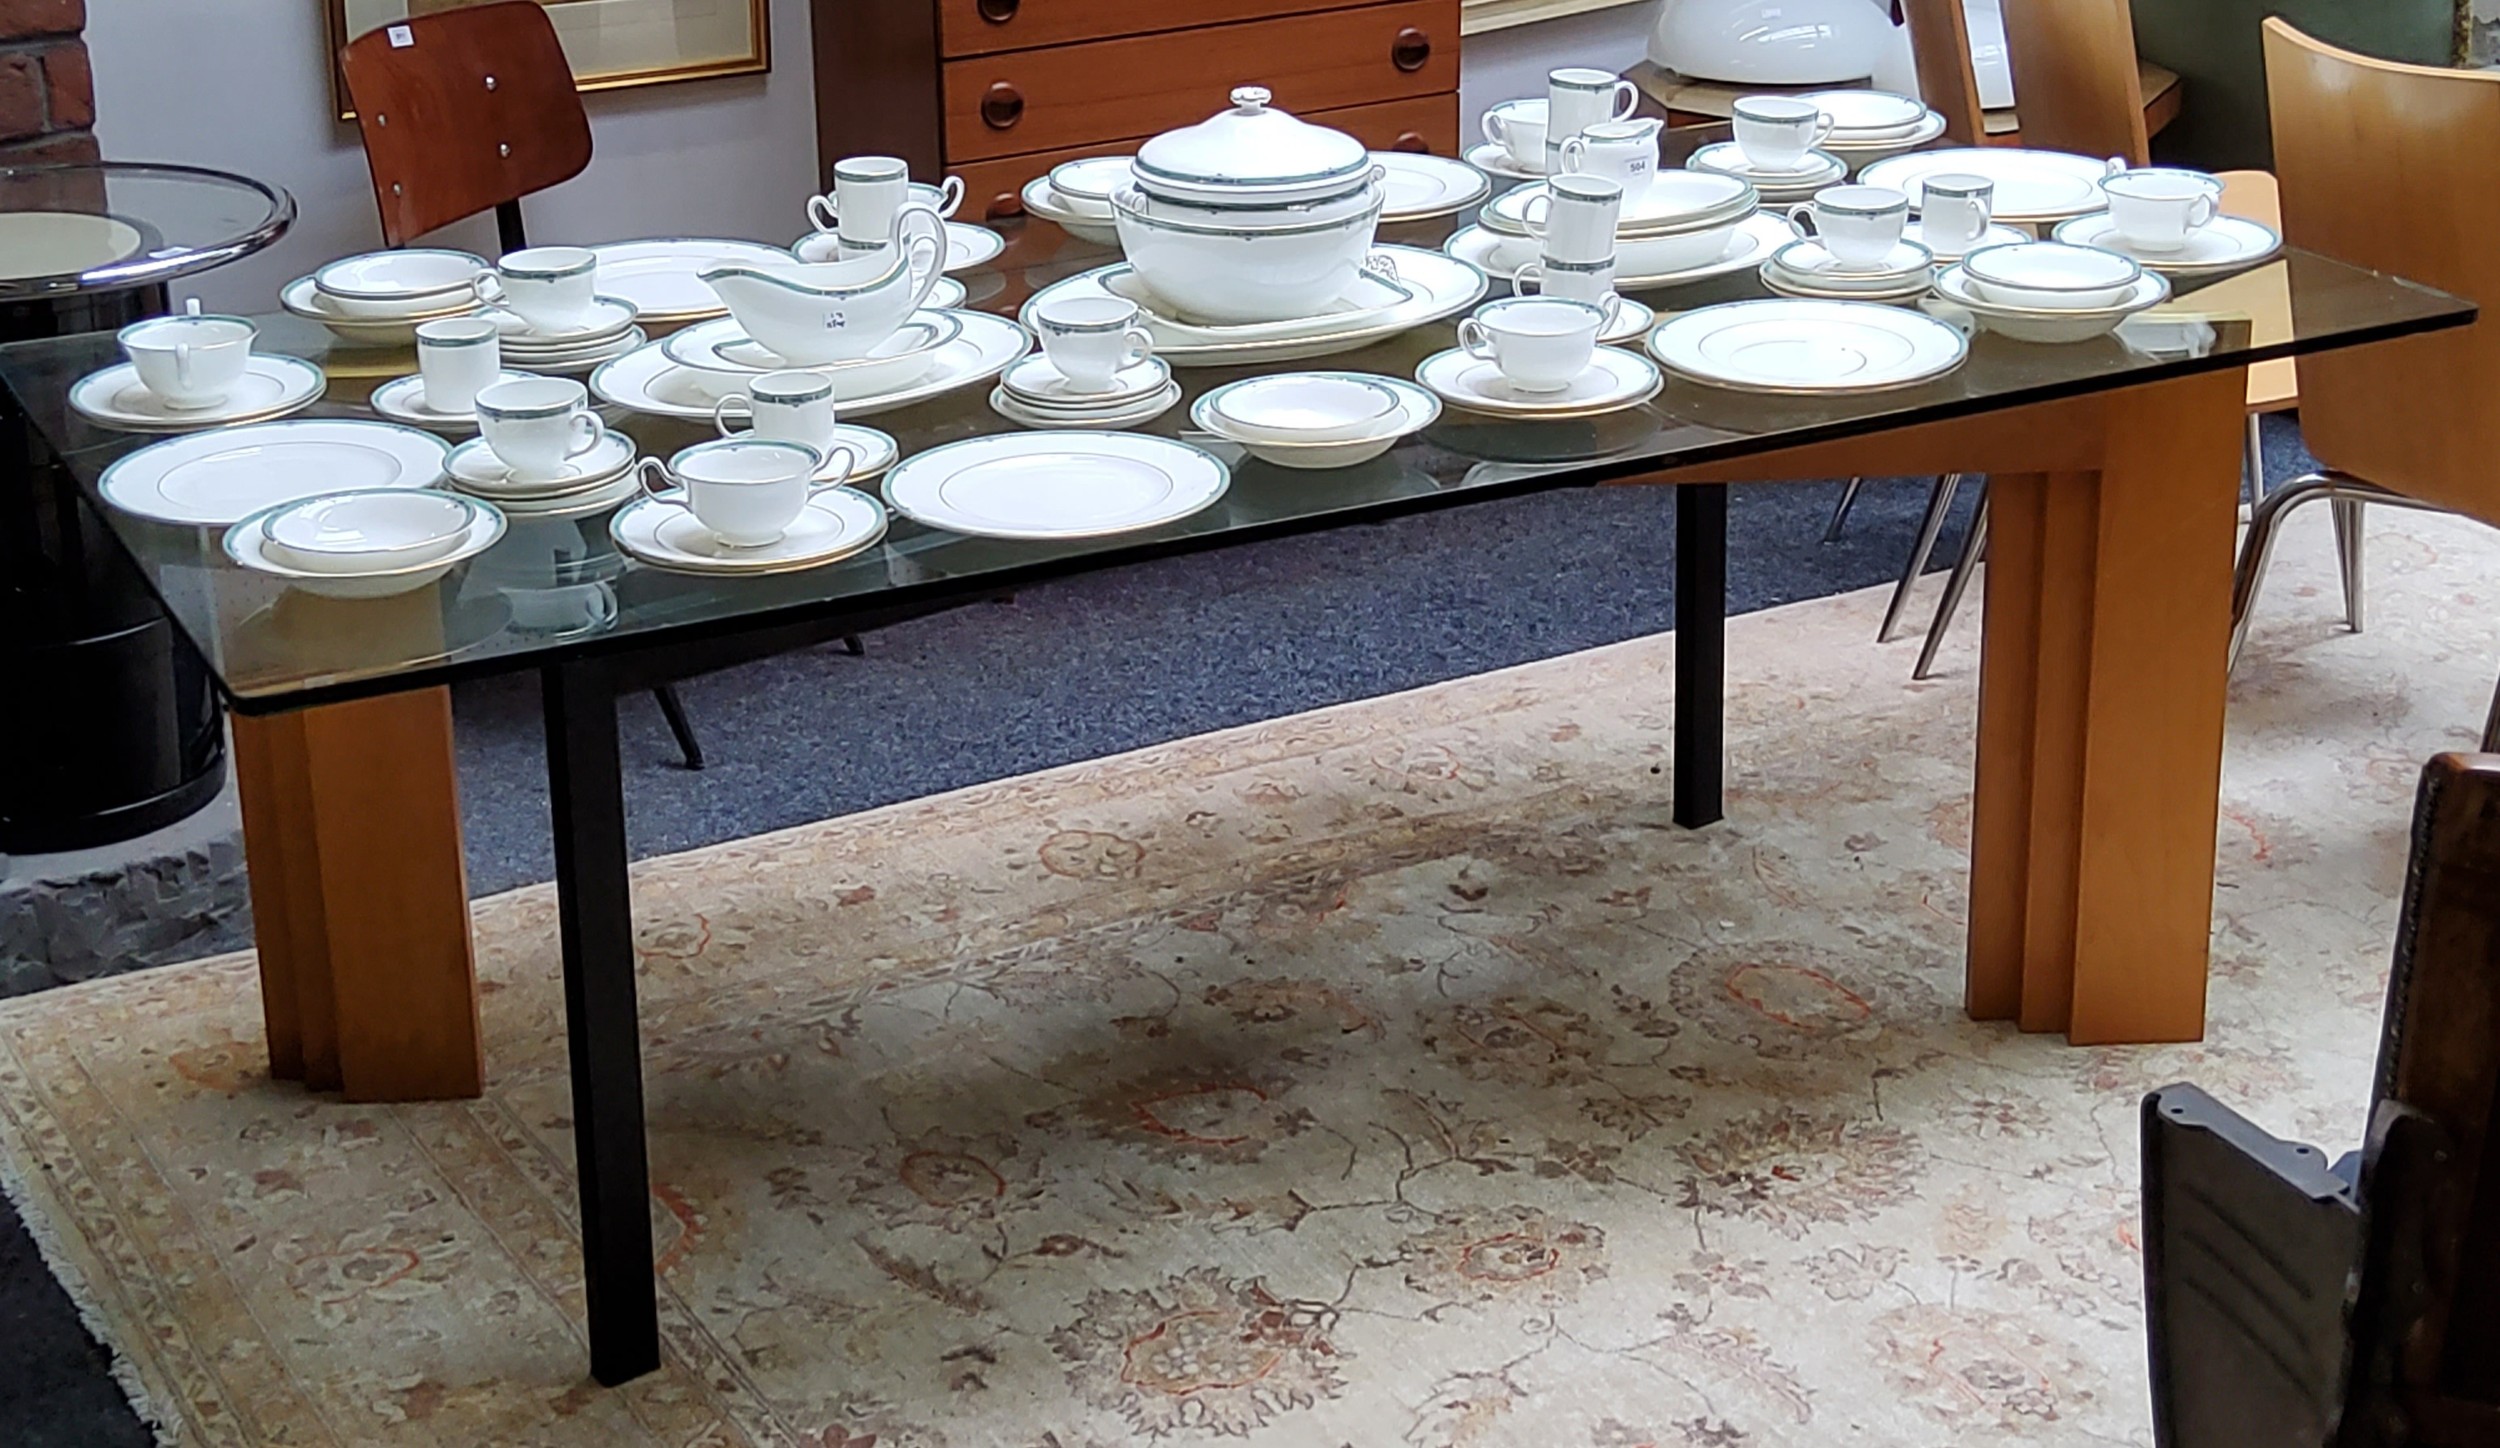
611, 43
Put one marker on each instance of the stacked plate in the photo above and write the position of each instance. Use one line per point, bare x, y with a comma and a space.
2225, 244
600, 478
1818, 170
377, 299
1869, 125
365, 543
606, 330
1808, 269
1037, 394
1642, 263
1076, 197
1684, 218
2033, 188
1422, 186
834, 524
2050, 291
1315, 419
1807, 348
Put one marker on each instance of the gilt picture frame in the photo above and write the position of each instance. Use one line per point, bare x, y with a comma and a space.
612, 44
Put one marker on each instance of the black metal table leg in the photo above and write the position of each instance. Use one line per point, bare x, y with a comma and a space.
586, 795
1700, 651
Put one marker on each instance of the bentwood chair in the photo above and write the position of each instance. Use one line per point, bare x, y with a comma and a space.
2394, 167
470, 110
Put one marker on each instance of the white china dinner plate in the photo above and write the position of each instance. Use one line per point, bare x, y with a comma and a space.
645, 381
1994, 236
1802, 347
1040, 486
1035, 379
272, 386
1863, 150
2225, 244
2032, 186
211, 479
1754, 239
1442, 286
474, 468
663, 277
247, 544
1128, 414
1871, 112
1616, 379
1040, 200
1493, 159
836, 524
1423, 186
1673, 201
402, 399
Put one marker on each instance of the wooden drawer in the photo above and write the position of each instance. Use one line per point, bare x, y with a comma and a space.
980, 27
1101, 91
1426, 123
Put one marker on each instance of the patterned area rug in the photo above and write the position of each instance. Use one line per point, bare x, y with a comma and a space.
1394, 1075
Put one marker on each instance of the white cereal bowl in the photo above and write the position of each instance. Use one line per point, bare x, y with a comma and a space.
2053, 276
371, 532
1306, 407
388, 284
1245, 272
1416, 410
1955, 288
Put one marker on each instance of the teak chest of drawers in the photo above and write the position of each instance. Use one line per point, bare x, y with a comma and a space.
1000, 91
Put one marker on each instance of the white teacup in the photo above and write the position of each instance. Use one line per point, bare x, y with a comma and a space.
191, 361
1776, 132
747, 491
2155, 207
537, 424
1518, 127
1578, 97
456, 356
1955, 211
1571, 281
1858, 225
546, 286
1541, 344
1091, 340
1624, 152
782, 407
1575, 217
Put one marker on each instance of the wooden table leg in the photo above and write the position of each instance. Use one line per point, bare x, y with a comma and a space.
351, 827
2100, 737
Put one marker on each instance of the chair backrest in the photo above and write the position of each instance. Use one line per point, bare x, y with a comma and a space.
2397, 168
2076, 83
1940, 44
463, 110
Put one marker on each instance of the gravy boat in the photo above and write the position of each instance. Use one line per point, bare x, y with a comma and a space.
836, 311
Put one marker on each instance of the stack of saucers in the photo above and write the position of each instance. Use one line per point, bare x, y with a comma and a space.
1808, 269
369, 543
1316, 419
1793, 183
378, 299
1868, 125
1077, 197
1037, 394
2050, 291
605, 329
602, 476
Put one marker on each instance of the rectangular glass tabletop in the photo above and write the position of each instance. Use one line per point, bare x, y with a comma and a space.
552, 589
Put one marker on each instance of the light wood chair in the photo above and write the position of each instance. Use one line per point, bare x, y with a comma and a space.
470, 110
2079, 85
2396, 168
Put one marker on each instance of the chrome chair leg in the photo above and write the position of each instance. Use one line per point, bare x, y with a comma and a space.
2253, 460
1840, 510
1939, 503
1974, 547
2348, 535
2267, 521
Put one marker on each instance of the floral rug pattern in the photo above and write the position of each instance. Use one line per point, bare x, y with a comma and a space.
1394, 1076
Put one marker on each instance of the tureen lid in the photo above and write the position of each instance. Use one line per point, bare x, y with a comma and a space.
1252, 147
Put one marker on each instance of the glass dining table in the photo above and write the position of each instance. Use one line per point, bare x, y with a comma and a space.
2115, 467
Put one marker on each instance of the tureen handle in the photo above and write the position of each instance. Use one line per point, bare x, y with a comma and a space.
1252, 99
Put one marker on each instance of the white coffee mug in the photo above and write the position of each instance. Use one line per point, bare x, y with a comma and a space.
1541, 344
782, 407
553, 287
1576, 98
1574, 217
1776, 132
456, 356
1518, 127
2154, 208
1091, 340
536, 425
1954, 212
747, 491
191, 361
1624, 152
1858, 225
1590, 282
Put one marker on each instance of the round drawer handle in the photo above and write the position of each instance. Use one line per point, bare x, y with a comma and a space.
1002, 106
1411, 141
1411, 49
997, 12
1005, 204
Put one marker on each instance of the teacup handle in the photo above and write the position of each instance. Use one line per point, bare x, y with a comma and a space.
649, 468
1533, 211
720, 412
1474, 340
1822, 129
848, 463
914, 226
1627, 99
2203, 212
1141, 345
2113, 166
490, 289
822, 213
586, 426
1529, 280
191, 306
1493, 128
1575, 153
1801, 217
950, 196
182, 362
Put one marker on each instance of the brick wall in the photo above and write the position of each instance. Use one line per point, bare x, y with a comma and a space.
47, 97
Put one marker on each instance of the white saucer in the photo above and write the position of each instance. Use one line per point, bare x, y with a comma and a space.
246, 544
1047, 486
1493, 159
272, 386
1422, 186
402, 399
1616, 379
1035, 379
1754, 238
605, 317
1042, 200
575, 504
1819, 169
1626, 321
1128, 414
2226, 244
1817, 348
835, 524
577, 360
1994, 236
1895, 293
475, 469
210, 479
967, 245
1862, 149
872, 451
646, 381
1809, 261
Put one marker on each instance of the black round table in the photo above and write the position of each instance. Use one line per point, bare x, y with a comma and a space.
108, 720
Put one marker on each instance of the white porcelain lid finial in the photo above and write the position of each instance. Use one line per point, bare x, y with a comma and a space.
1252, 99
